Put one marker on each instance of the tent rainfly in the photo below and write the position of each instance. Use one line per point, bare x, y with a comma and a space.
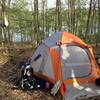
65, 57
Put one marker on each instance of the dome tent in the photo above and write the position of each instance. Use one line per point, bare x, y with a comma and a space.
65, 57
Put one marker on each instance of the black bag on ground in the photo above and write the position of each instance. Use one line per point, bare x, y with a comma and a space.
28, 82
98, 81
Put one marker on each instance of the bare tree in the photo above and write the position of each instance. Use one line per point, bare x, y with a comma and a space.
46, 18
97, 37
36, 21
88, 20
58, 16
8, 28
43, 15
71, 15
3, 7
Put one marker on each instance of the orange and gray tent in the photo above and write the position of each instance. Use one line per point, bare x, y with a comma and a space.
65, 57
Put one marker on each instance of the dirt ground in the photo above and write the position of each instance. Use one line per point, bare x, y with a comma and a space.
9, 74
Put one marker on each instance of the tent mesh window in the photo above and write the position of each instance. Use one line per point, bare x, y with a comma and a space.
76, 62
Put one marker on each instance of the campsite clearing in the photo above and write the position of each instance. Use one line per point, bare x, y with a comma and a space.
9, 72
64, 56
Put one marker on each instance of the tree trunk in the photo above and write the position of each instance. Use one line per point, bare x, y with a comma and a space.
71, 15
46, 18
36, 21
88, 21
43, 16
8, 28
58, 16
3, 25
98, 36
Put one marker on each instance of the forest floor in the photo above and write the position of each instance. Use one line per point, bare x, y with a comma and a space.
9, 73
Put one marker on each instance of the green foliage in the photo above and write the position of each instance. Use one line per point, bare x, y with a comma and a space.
21, 19
20, 4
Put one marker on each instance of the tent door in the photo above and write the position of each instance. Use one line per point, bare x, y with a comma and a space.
75, 62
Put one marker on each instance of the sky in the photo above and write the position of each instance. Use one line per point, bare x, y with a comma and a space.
51, 3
